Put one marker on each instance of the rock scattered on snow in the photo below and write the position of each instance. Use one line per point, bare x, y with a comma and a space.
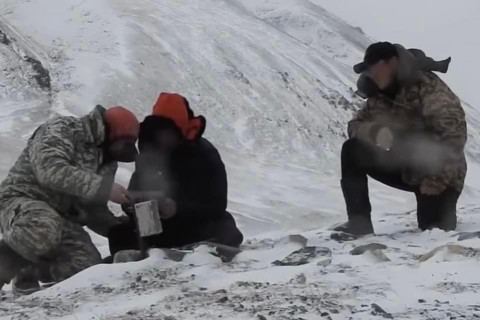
342, 236
367, 247
324, 263
451, 249
303, 256
468, 235
377, 310
128, 256
293, 238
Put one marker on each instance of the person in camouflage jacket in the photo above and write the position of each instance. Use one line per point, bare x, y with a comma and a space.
410, 135
61, 182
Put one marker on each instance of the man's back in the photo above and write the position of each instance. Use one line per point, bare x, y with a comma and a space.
193, 175
36, 173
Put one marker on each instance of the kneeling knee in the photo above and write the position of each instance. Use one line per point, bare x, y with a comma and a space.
351, 146
35, 242
237, 238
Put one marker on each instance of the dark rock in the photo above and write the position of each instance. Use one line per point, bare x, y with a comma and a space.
421, 301
468, 235
260, 317
377, 310
303, 256
222, 300
342, 237
4, 39
42, 75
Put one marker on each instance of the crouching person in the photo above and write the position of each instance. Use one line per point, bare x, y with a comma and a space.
410, 135
185, 174
61, 182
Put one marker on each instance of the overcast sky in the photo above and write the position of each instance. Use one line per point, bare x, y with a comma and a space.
441, 28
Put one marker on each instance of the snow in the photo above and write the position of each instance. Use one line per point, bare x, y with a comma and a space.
274, 79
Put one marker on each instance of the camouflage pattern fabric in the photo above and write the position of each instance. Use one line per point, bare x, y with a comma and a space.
42, 236
428, 107
62, 166
57, 185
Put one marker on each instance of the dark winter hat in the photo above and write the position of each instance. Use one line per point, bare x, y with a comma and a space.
375, 53
176, 108
121, 123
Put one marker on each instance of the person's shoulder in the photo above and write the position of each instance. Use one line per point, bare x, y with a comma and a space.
64, 121
432, 80
431, 83
207, 149
59, 126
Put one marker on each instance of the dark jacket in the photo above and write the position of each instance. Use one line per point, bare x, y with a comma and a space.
193, 175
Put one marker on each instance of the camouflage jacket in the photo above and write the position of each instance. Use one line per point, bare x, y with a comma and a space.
426, 109
62, 165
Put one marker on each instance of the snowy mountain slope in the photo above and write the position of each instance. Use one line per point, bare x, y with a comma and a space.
276, 97
273, 78
23, 104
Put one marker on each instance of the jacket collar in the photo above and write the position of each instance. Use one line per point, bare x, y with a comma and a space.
94, 125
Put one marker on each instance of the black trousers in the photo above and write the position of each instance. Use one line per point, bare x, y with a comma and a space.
178, 233
361, 159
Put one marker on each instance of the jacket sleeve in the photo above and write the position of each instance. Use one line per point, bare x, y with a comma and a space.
51, 152
363, 126
445, 119
206, 194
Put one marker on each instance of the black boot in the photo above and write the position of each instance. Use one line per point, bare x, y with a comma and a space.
358, 208
26, 282
10, 263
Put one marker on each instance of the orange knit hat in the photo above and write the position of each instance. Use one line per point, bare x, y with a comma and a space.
175, 107
121, 123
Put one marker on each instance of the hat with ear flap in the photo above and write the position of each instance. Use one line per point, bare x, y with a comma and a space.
176, 108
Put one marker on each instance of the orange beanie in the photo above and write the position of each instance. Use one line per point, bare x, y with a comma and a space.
173, 106
121, 123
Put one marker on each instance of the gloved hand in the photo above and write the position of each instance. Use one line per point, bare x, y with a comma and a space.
384, 138
167, 208
119, 194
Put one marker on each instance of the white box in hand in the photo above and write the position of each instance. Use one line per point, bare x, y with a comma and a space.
148, 218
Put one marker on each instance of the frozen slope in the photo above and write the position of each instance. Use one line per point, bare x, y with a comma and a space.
273, 78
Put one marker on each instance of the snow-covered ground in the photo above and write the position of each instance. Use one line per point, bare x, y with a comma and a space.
273, 78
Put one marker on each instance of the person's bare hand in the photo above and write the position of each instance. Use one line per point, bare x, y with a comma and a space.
384, 138
119, 194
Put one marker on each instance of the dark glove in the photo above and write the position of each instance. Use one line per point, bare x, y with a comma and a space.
129, 209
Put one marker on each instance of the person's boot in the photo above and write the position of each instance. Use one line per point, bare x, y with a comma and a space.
356, 226
358, 209
10, 263
26, 282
